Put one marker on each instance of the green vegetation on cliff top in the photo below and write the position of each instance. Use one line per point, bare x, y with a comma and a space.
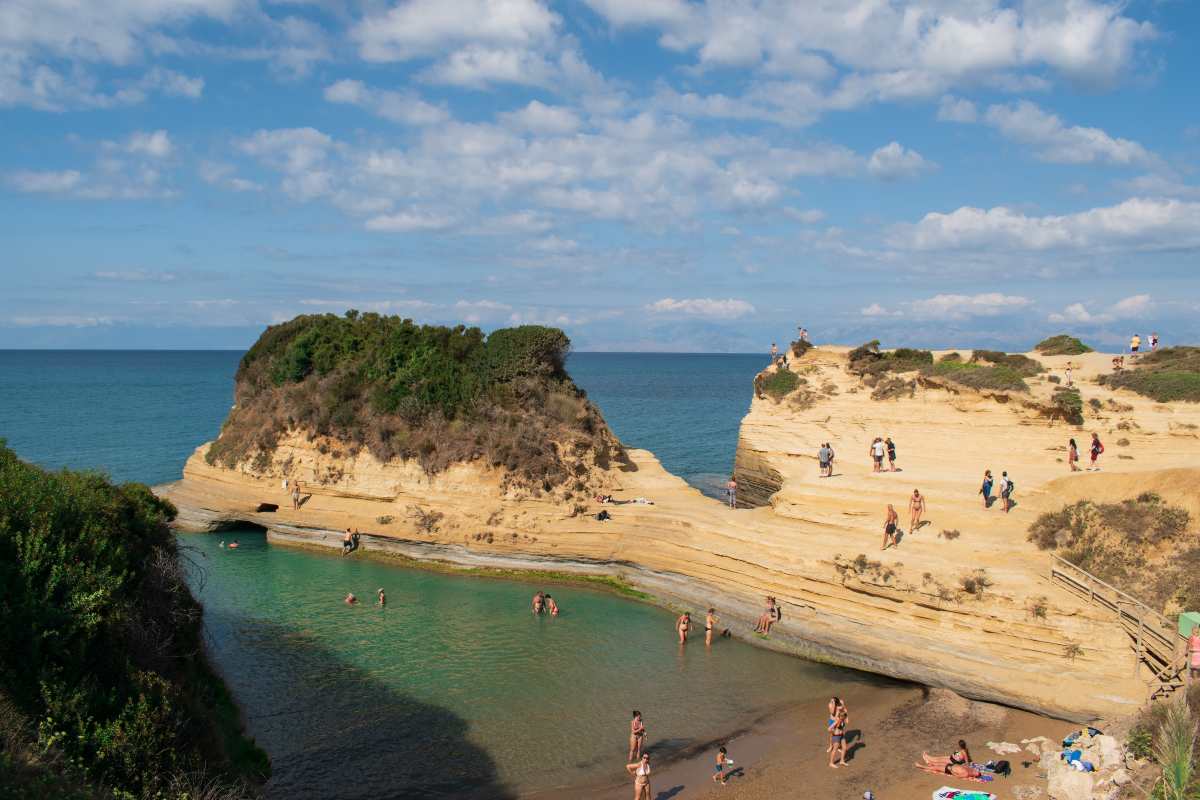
401, 390
1165, 375
104, 687
1061, 345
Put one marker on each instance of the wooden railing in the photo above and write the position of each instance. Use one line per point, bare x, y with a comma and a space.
1155, 639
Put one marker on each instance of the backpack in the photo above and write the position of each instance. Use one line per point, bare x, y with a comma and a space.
1012, 487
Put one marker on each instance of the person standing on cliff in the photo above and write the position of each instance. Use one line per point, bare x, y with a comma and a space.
877, 451
296, 495
1097, 449
347, 542
824, 457
891, 453
731, 491
774, 352
889, 527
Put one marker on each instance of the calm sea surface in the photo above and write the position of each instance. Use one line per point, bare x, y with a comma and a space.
453, 690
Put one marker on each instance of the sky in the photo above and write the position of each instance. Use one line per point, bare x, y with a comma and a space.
672, 175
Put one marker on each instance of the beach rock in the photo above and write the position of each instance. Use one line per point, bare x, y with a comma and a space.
1070, 784
1003, 748
1122, 777
1026, 792
1048, 760
1034, 747
1108, 792
1110, 751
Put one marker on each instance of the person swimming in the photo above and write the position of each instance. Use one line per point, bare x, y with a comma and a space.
539, 603
234, 543
553, 606
351, 599
382, 597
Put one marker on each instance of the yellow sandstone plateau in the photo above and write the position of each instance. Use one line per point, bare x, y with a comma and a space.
1022, 641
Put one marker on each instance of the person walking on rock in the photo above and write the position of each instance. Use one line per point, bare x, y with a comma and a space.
1006, 491
889, 527
916, 508
891, 453
986, 488
731, 491
1097, 449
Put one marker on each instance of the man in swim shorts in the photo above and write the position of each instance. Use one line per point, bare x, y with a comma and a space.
823, 457
889, 527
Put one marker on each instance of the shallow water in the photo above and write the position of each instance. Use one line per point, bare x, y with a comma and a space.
454, 689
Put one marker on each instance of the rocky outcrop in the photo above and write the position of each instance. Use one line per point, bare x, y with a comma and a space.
963, 603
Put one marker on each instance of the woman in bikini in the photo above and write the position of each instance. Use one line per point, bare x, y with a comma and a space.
916, 507
683, 625
1073, 456
959, 757
954, 770
637, 733
553, 606
640, 770
767, 618
837, 739
710, 622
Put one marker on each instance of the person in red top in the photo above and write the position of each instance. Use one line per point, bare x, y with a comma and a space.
1097, 449
1193, 649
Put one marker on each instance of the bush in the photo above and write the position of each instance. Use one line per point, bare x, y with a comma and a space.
1068, 404
800, 347
975, 376
1062, 345
100, 639
1168, 375
780, 383
868, 360
405, 391
1141, 546
1026, 366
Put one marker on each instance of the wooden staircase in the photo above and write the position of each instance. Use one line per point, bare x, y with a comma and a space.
1155, 640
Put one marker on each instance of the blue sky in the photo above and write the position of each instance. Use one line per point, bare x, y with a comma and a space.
646, 174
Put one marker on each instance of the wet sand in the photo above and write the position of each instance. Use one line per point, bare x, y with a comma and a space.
783, 755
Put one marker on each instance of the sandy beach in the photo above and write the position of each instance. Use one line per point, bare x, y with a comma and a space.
783, 755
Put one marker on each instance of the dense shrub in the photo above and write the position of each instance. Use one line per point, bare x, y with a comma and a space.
100, 638
1062, 345
1068, 404
779, 383
800, 347
976, 376
1141, 546
1165, 375
868, 360
405, 391
1023, 364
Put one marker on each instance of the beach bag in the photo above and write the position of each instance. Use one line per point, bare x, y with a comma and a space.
998, 767
1012, 487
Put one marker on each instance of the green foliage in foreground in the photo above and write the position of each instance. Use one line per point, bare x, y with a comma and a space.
1069, 404
1175, 752
1023, 364
100, 638
1166, 375
1062, 345
779, 383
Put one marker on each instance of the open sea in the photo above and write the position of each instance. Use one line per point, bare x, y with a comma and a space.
452, 690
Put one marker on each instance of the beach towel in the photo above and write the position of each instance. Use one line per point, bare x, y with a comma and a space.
950, 793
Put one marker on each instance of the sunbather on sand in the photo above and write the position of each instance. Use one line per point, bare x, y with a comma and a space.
965, 771
960, 756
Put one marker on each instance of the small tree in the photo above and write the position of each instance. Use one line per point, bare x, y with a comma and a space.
1174, 751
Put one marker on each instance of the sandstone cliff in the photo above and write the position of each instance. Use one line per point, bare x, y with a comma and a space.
916, 612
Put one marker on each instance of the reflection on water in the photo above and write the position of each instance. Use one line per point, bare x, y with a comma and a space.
455, 689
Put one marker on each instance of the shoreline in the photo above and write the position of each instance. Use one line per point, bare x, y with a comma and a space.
767, 747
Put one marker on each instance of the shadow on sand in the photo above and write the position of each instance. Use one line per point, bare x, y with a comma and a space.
336, 733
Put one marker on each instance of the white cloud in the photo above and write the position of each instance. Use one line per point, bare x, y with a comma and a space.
409, 221
641, 12
156, 144
135, 276
45, 182
876, 310
894, 161
956, 109
63, 321
1055, 142
405, 107
961, 306
808, 216
554, 244
539, 118
1133, 307
427, 27
224, 175
702, 307
1137, 223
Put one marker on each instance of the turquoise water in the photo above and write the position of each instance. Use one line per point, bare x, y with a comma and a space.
453, 690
